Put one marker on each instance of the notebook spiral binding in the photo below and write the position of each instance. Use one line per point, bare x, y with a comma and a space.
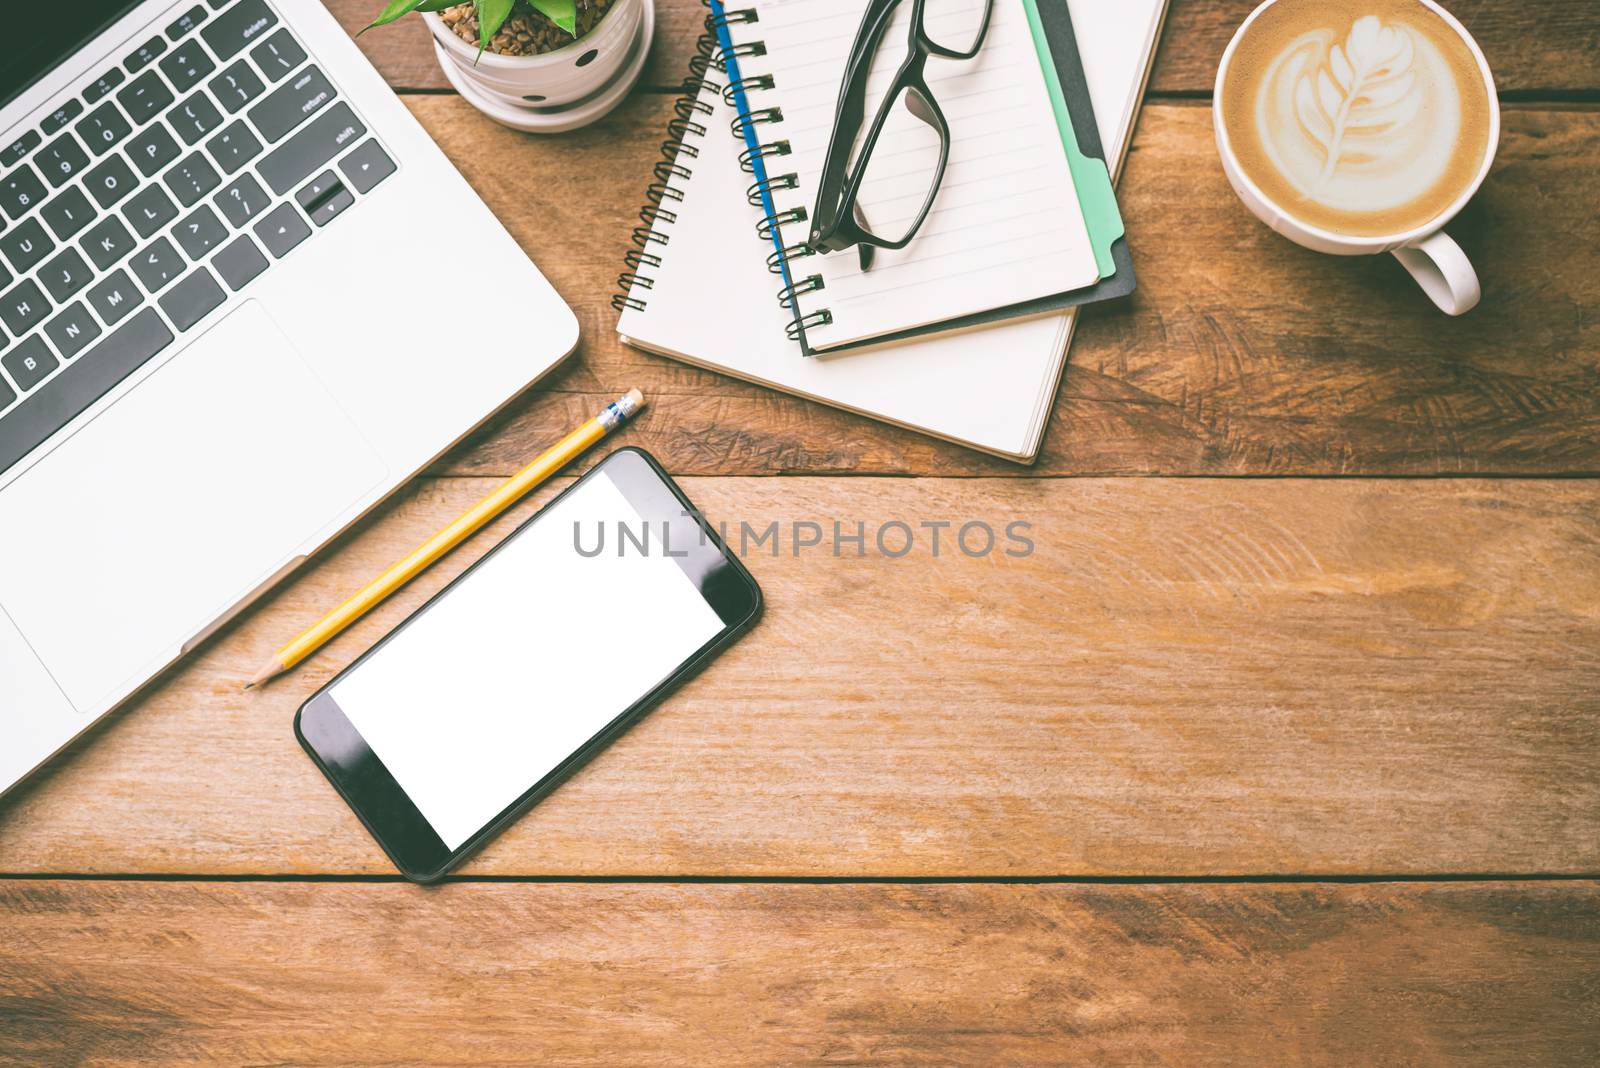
746, 127
677, 151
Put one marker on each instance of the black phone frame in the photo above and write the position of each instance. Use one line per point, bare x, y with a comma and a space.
384, 808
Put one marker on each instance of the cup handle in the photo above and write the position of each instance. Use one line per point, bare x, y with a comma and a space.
1443, 271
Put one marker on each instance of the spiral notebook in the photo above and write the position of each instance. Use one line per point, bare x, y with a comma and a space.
698, 286
1025, 221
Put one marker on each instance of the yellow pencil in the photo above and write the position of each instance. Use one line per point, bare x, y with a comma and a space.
423, 556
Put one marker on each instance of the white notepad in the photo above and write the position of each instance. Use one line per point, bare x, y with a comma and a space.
703, 293
1006, 226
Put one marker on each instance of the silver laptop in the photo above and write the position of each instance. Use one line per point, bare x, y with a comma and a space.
228, 328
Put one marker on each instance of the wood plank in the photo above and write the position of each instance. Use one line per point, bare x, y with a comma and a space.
1535, 47
1241, 353
1185, 677
485, 974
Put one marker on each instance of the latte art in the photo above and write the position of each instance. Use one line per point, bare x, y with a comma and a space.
1367, 123
1357, 117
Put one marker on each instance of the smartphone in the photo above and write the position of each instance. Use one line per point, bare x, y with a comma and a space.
533, 660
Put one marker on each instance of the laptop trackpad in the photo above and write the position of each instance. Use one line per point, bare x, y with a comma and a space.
176, 502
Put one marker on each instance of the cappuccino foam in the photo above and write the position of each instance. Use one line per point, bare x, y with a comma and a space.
1364, 117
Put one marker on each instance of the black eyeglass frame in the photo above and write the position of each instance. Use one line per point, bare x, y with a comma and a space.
837, 220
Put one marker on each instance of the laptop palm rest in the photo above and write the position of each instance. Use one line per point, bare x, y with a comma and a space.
175, 503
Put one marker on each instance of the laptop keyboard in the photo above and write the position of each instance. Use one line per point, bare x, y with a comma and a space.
138, 204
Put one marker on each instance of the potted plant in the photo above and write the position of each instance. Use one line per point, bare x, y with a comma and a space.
539, 65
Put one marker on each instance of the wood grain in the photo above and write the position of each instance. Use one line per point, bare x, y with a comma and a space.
1240, 354
1535, 47
171, 973
1185, 677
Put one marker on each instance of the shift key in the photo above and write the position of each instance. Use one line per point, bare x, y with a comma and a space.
322, 139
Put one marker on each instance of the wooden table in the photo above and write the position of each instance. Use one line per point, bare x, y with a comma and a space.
1281, 747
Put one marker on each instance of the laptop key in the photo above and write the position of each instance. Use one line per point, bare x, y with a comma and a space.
73, 329
26, 245
18, 150
29, 363
23, 307
323, 198
67, 212
240, 262
278, 55
313, 146
281, 230
194, 117
192, 179
236, 86
102, 85
367, 166
81, 383
60, 117
19, 191
186, 22
324, 211
144, 55
144, 97
234, 147
7, 396
153, 149
238, 28
187, 65
114, 297
150, 210
156, 264
61, 160
292, 103
108, 242
199, 232
65, 274
242, 200
105, 126
111, 181
192, 299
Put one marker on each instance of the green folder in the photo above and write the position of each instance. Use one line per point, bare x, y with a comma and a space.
1096, 196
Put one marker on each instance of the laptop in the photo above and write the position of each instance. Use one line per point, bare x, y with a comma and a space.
228, 329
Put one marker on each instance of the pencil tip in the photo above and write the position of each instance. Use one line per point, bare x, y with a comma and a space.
271, 669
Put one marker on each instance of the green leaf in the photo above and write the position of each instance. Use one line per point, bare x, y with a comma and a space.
492, 15
563, 13
437, 5
392, 10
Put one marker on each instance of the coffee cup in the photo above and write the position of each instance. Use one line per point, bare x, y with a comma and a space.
1356, 127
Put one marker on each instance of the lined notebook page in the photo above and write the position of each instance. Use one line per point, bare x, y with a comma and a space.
711, 302
1005, 227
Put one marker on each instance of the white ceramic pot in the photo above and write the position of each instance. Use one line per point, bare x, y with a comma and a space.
519, 90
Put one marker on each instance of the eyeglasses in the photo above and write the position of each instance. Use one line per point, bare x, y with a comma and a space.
871, 181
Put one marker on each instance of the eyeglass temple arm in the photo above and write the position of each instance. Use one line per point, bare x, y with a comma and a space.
850, 111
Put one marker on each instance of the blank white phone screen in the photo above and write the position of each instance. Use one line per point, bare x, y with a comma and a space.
525, 660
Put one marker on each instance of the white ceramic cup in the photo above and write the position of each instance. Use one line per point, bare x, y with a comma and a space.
1433, 258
